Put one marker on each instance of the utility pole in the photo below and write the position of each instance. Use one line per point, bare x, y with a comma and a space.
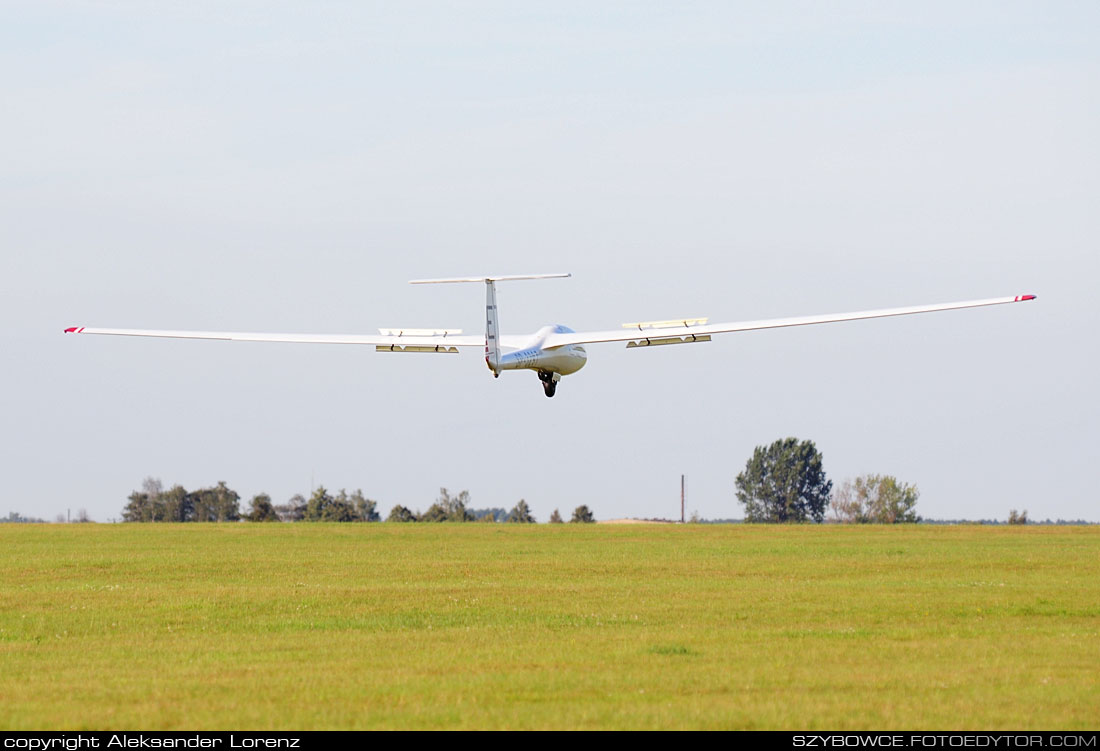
681, 499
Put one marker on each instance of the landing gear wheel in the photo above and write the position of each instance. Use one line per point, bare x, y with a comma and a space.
549, 382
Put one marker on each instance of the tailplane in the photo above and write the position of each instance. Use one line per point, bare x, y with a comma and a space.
488, 278
492, 320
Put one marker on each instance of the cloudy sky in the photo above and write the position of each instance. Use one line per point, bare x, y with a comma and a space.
279, 166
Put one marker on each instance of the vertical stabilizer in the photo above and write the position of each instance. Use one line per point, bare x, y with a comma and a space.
492, 329
492, 322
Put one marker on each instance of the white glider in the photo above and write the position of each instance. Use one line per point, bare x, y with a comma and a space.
552, 351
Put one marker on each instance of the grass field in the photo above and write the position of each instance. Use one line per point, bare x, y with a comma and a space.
296, 626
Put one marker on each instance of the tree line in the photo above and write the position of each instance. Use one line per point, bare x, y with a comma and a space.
784, 482
222, 504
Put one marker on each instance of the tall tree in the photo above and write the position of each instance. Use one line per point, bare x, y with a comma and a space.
323, 507
153, 488
401, 514
366, 510
294, 510
342, 509
875, 499
216, 504
176, 505
154, 504
139, 508
521, 514
262, 510
448, 508
555, 518
784, 482
229, 504
582, 515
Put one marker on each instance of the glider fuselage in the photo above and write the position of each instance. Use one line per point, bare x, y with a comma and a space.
564, 360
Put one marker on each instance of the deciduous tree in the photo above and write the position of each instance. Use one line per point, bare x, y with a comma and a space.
144, 504
784, 482
176, 505
366, 510
875, 499
216, 504
401, 514
582, 515
521, 514
448, 508
323, 507
139, 508
294, 510
262, 510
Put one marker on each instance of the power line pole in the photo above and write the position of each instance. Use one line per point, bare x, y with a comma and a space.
681, 499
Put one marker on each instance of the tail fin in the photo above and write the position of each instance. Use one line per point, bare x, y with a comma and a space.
492, 329
492, 324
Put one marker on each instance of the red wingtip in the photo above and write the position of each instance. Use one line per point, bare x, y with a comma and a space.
71, 330
1021, 298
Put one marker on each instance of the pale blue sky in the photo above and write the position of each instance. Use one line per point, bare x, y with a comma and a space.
288, 167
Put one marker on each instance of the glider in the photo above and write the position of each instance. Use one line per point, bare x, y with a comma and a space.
552, 351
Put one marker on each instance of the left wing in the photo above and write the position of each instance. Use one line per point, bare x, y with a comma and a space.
690, 332
431, 340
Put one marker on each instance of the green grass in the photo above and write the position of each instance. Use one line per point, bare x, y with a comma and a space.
250, 626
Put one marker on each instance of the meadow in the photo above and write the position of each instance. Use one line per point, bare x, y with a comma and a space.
317, 626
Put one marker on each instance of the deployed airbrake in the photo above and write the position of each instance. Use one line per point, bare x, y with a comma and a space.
552, 351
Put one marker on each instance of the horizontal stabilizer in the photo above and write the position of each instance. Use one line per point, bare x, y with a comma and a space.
488, 278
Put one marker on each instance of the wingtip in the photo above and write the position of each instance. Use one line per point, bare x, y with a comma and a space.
75, 330
1021, 298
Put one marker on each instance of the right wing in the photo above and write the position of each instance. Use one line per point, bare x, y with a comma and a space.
689, 331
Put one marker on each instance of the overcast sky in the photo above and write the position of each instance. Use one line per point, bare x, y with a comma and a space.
278, 166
